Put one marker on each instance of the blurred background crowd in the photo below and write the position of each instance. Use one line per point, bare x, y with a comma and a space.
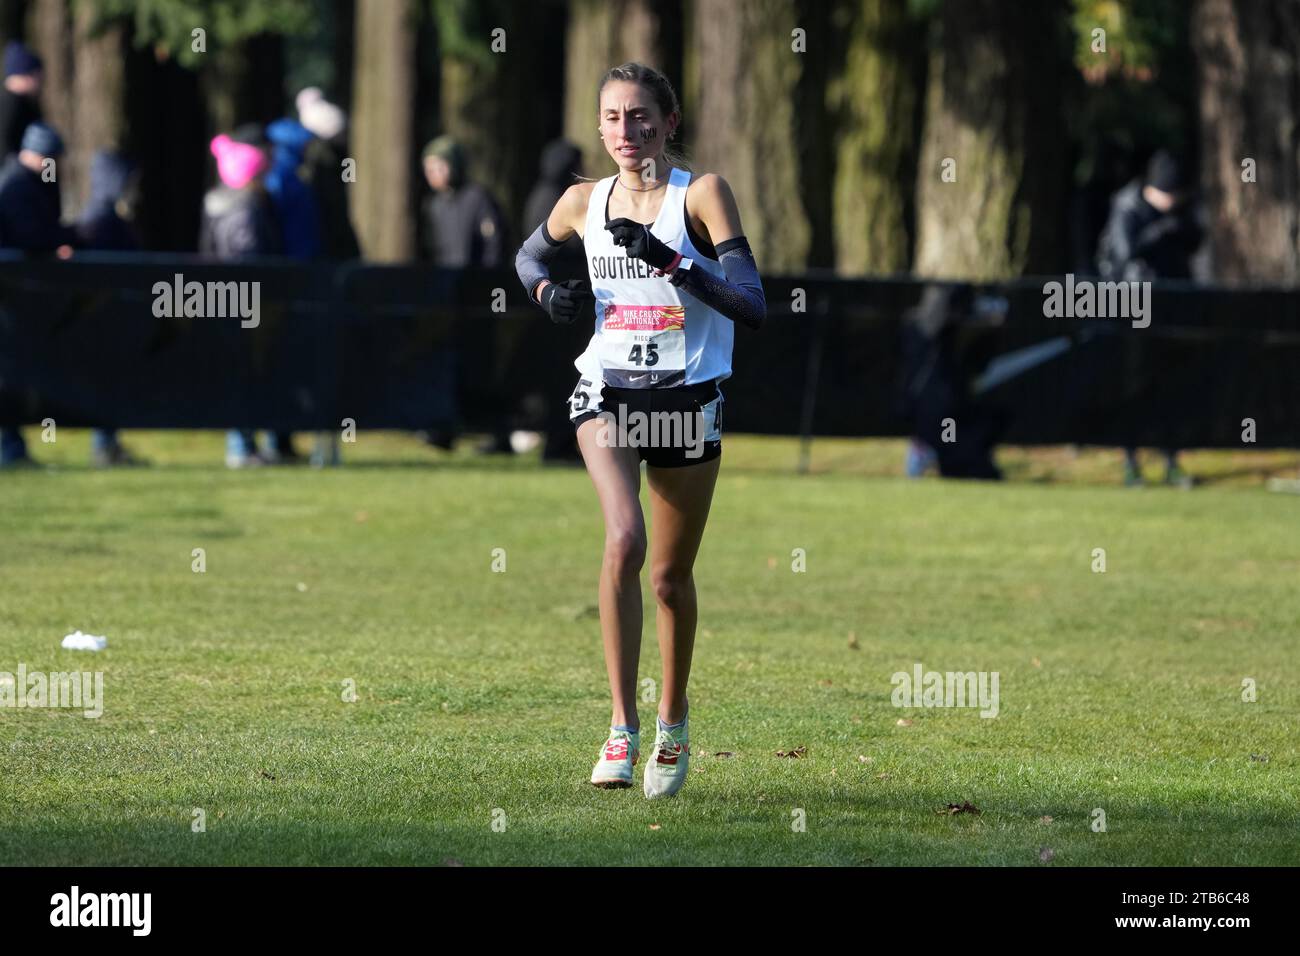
1122, 138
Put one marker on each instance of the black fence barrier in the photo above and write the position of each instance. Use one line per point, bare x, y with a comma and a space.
91, 342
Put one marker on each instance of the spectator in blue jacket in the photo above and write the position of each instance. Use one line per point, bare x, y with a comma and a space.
294, 201
300, 222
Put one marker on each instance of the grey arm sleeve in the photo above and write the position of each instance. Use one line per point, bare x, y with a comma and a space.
531, 261
740, 296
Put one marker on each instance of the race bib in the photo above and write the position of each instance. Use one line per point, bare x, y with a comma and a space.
643, 346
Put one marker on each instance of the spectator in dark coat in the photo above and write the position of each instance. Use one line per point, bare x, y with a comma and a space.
20, 99
944, 348
323, 170
107, 221
29, 220
560, 167
1153, 228
1153, 232
238, 223
463, 226
463, 229
105, 224
29, 194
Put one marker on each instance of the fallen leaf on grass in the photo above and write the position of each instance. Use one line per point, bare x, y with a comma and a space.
903, 722
1259, 758
268, 776
1044, 819
797, 752
1046, 854
953, 809
654, 826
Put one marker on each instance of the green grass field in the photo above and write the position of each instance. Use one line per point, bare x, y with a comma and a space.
482, 698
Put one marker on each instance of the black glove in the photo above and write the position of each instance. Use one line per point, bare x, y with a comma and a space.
641, 243
564, 300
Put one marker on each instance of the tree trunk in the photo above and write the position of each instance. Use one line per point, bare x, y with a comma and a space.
168, 133
877, 99
13, 14
382, 128
50, 35
99, 99
345, 24
84, 89
603, 34
745, 124
1248, 54
244, 82
502, 133
993, 109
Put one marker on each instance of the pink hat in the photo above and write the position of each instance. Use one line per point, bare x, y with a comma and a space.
238, 164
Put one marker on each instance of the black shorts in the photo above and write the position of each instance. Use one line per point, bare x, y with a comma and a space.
669, 427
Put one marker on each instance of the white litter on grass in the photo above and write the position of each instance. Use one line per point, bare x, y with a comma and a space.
76, 641
522, 442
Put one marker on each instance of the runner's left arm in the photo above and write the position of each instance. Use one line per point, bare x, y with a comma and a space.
740, 295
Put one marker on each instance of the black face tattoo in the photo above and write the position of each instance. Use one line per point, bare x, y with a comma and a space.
649, 135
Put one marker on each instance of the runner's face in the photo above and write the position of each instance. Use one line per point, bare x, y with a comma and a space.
631, 125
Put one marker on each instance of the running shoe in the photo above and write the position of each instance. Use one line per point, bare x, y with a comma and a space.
666, 771
618, 756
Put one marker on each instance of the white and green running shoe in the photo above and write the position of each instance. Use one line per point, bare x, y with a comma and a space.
666, 771
617, 758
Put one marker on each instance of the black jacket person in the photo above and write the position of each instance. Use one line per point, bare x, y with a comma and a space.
29, 194
19, 103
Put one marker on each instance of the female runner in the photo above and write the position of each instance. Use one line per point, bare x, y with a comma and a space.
671, 274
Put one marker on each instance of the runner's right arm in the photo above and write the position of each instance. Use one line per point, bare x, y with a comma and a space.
532, 262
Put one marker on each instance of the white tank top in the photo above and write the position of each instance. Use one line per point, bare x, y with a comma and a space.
649, 333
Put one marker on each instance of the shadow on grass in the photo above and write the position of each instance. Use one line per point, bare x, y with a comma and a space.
697, 829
